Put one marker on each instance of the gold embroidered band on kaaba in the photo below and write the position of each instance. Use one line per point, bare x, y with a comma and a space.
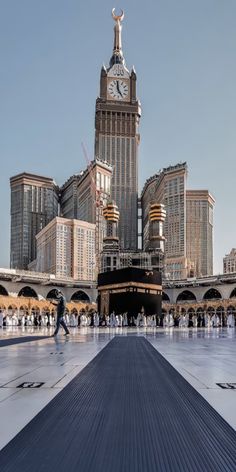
130, 284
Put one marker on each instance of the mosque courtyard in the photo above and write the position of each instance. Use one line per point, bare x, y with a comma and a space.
34, 372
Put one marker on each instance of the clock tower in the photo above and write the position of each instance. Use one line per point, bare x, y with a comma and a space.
116, 136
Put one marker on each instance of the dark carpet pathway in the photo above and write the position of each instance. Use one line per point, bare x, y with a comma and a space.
129, 410
22, 339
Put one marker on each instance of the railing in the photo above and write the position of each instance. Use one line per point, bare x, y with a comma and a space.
214, 301
43, 276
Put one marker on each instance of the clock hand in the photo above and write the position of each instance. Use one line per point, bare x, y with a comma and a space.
118, 88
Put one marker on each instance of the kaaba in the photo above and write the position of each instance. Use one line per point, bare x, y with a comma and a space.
130, 290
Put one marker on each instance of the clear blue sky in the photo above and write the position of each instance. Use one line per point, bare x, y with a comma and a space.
51, 52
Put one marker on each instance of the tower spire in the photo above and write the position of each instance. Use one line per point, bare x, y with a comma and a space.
117, 56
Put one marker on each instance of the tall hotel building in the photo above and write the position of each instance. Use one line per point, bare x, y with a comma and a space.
69, 197
199, 231
229, 262
34, 202
169, 188
84, 195
116, 136
188, 227
66, 248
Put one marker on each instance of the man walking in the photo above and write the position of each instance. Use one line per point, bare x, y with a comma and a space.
61, 306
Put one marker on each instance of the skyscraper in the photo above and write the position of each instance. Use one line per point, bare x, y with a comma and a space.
169, 188
188, 228
66, 248
93, 192
199, 231
83, 196
116, 136
34, 202
69, 197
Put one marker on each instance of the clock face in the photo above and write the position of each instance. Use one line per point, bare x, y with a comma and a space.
118, 89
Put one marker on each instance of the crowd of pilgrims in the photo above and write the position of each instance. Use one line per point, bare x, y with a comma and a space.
93, 319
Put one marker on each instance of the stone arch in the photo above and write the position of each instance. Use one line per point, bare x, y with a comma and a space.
3, 291
74, 311
191, 311
210, 310
80, 296
200, 317
52, 294
185, 295
200, 311
233, 293
165, 297
220, 309
231, 310
172, 311
35, 310
11, 309
220, 312
212, 294
191, 316
23, 309
28, 292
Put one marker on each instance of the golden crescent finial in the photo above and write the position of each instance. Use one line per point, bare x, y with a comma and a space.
117, 17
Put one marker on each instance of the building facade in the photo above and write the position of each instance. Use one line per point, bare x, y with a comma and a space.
66, 248
93, 193
214, 295
199, 232
34, 203
168, 187
114, 258
117, 138
188, 227
30, 293
84, 195
69, 197
229, 262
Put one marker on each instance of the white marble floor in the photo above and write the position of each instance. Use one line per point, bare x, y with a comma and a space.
203, 357
54, 361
